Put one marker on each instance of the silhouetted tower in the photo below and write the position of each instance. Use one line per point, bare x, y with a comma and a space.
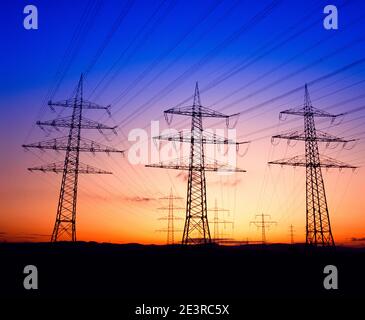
291, 229
196, 229
263, 225
170, 216
318, 227
217, 221
73, 144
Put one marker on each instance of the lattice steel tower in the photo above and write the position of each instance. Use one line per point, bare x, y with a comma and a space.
263, 224
196, 229
170, 216
318, 227
73, 144
217, 221
291, 229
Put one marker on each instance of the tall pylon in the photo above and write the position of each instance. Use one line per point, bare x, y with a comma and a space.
291, 229
217, 221
196, 229
318, 227
65, 225
170, 216
263, 224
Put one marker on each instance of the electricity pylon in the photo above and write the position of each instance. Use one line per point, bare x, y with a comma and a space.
196, 229
170, 217
217, 221
73, 144
263, 225
318, 227
291, 229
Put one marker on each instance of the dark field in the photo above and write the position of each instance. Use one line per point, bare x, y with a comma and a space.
137, 272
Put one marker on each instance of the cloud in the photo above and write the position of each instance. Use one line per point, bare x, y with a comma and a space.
183, 176
118, 198
139, 199
229, 183
357, 239
5, 236
31, 236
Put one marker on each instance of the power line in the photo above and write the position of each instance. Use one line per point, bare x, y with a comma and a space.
68, 57
160, 58
145, 31
119, 20
196, 66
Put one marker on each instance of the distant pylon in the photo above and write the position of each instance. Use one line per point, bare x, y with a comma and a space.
263, 224
318, 227
196, 229
65, 225
170, 216
217, 221
291, 229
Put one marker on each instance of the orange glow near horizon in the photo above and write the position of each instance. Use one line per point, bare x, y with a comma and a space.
115, 209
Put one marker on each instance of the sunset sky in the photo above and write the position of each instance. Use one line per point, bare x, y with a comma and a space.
144, 57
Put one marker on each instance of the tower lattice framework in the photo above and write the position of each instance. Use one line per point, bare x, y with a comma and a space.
196, 228
65, 224
170, 217
217, 237
263, 224
318, 227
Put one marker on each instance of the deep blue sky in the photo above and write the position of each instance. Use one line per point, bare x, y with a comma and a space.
29, 59
183, 42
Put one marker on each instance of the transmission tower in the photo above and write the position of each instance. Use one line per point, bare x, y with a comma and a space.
65, 225
291, 229
263, 224
170, 216
196, 229
318, 228
217, 221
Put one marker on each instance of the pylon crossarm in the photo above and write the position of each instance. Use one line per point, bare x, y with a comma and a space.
66, 122
178, 165
173, 197
197, 110
58, 167
206, 138
320, 136
61, 144
325, 162
70, 103
302, 111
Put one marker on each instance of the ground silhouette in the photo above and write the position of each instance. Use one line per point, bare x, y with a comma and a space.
149, 272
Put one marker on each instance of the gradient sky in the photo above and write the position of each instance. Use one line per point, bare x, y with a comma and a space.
149, 62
